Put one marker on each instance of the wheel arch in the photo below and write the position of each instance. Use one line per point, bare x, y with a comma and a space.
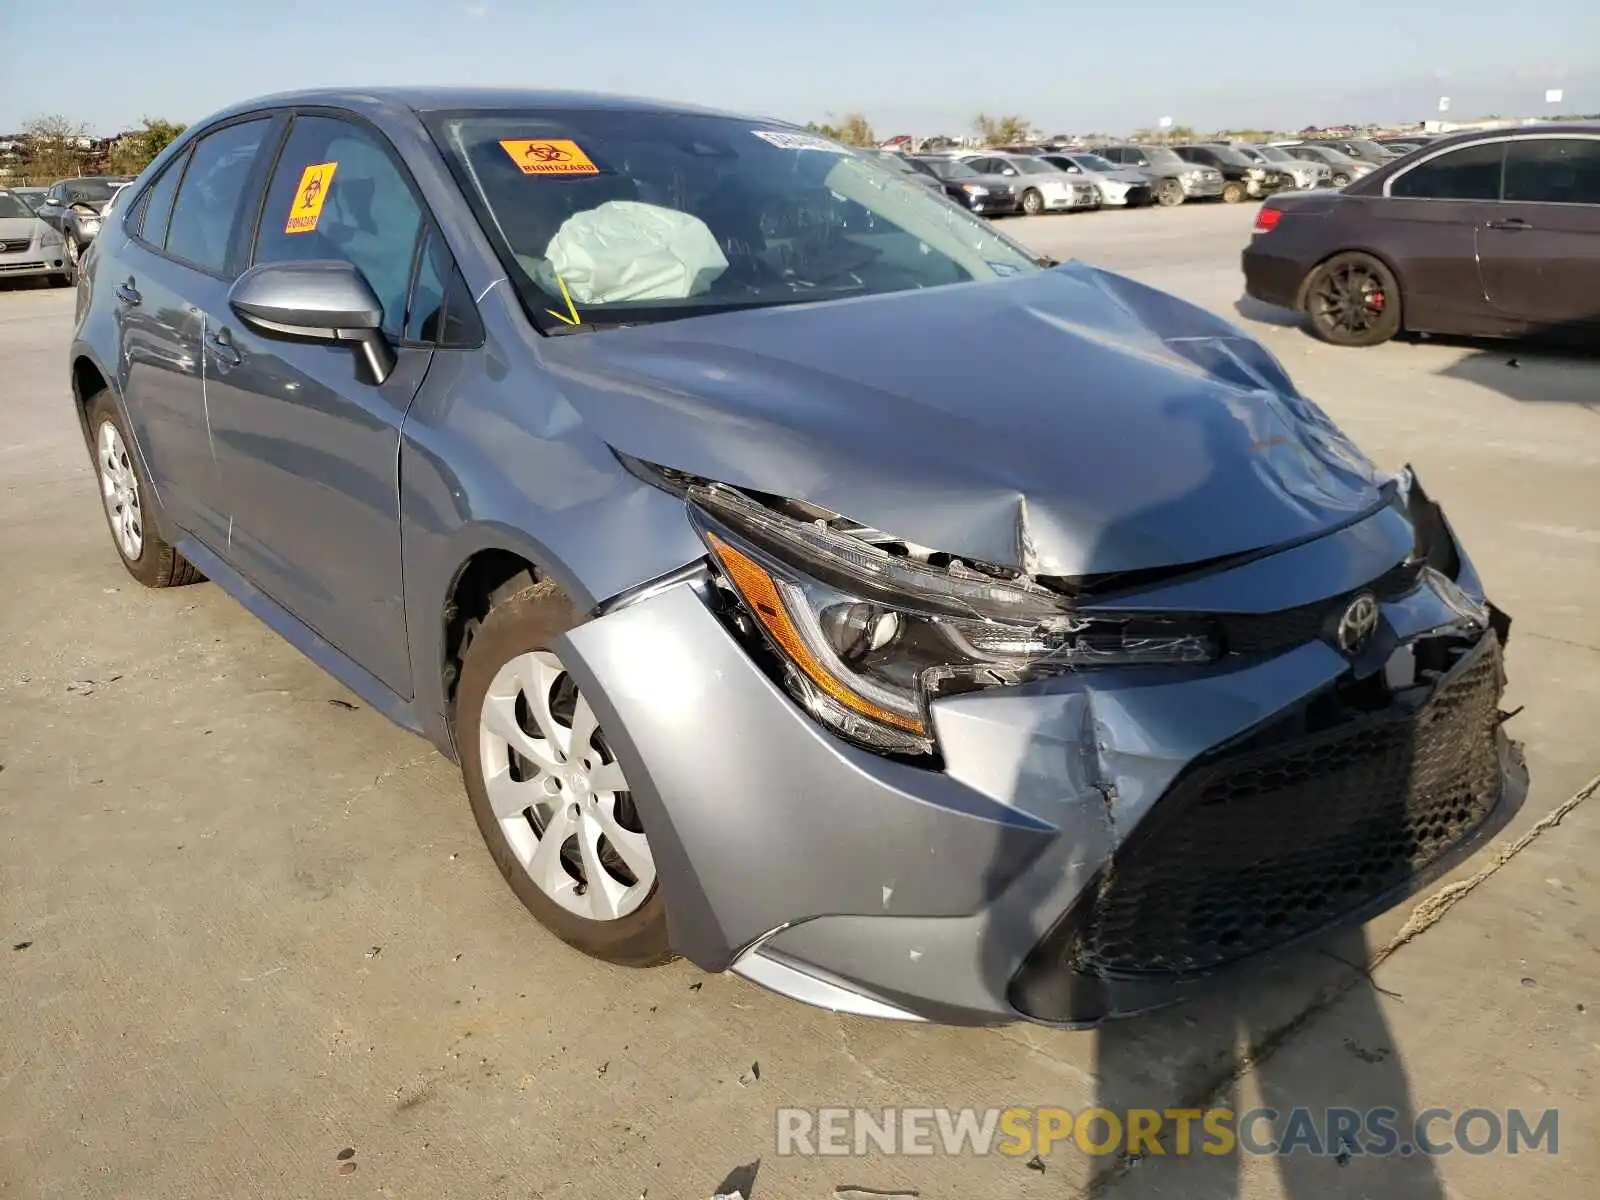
89, 379
1386, 260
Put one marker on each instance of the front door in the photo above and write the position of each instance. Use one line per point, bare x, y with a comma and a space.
1539, 248
309, 454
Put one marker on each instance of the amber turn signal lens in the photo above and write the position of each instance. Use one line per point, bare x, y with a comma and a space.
760, 592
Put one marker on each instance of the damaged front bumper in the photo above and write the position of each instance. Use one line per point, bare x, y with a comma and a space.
1087, 846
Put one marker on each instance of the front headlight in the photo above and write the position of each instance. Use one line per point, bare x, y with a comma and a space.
1256, 173
974, 189
1193, 176
868, 630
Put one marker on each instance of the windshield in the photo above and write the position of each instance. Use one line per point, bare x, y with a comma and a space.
12, 206
949, 168
607, 217
1372, 148
1162, 156
1274, 153
1033, 166
1093, 162
1231, 156
91, 190
893, 161
1334, 158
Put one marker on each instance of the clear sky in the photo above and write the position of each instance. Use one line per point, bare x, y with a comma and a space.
913, 66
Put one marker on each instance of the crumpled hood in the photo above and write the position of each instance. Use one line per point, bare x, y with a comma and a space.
1067, 422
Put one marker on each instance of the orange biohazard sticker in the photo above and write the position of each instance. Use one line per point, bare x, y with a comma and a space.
309, 197
548, 156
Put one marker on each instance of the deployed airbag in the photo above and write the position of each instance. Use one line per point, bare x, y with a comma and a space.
624, 250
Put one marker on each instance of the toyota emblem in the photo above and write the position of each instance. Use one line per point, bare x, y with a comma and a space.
1358, 624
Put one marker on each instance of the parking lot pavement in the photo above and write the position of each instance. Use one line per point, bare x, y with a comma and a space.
256, 928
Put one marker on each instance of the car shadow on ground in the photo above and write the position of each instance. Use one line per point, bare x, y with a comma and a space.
1263, 313
1543, 371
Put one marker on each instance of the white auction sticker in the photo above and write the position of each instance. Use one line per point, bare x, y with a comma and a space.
798, 141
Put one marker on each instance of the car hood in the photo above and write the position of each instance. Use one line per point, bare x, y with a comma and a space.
1068, 422
17, 227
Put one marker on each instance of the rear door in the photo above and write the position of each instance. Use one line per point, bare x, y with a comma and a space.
307, 452
1429, 227
1539, 248
175, 262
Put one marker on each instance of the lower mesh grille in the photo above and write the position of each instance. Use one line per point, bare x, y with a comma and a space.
1259, 849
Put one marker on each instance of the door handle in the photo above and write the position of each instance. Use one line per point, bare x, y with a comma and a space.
221, 343
129, 294
1509, 224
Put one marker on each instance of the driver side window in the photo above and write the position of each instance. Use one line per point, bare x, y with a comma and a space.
337, 193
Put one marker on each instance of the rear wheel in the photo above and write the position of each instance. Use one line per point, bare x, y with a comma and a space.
148, 558
1169, 193
1353, 300
550, 796
1340, 179
1232, 193
1032, 202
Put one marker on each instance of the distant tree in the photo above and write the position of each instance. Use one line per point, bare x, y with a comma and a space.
853, 130
135, 151
999, 131
1181, 133
56, 148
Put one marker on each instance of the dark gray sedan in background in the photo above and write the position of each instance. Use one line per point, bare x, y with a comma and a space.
648, 461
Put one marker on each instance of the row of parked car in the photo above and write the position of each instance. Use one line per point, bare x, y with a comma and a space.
1040, 179
45, 231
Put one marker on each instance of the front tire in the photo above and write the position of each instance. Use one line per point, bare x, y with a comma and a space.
1340, 179
1032, 202
123, 490
549, 795
1232, 193
1169, 194
74, 249
1353, 299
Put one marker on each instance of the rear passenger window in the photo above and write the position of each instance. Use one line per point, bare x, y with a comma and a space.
1553, 170
336, 193
158, 200
1471, 173
203, 217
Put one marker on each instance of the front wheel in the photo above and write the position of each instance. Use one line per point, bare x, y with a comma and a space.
1169, 194
1232, 193
1032, 202
1353, 300
1340, 179
74, 248
547, 790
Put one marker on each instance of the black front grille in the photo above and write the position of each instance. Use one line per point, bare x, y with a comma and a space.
1274, 632
13, 245
1257, 849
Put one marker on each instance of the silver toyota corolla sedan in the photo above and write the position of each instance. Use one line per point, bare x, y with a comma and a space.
648, 462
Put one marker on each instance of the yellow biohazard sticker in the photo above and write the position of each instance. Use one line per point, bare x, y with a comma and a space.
548, 156
309, 197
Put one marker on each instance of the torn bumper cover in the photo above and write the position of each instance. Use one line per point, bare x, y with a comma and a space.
1088, 843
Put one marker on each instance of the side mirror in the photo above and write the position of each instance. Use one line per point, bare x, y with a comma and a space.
320, 301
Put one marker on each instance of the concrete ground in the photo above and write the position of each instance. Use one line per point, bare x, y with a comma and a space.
244, 928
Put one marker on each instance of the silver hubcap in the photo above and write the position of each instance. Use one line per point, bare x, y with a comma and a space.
119, 487
559, 793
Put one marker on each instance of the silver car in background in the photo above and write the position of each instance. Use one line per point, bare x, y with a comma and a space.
28, 246
1043, 186
1119, 187
1306, 175
1341, 167
1175, 180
